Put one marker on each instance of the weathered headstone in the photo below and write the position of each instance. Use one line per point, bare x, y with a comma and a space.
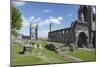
27, 49
71, 47
35, 45
40, 46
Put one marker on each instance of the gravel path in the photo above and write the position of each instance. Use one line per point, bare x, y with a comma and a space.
69, 58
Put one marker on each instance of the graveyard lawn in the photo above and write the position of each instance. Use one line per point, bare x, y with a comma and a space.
39, 56
45, 56
84, 55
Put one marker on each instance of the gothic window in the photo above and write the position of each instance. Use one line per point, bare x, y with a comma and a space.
60, 32
66, 31
85, 13
82, 17
63, 31
94, 17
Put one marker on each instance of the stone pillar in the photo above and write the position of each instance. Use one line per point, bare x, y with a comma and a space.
30, 30
49, 27
36, 32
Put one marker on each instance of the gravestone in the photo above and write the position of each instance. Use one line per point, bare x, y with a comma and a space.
27, 49
35, 45
40, 46
71, 47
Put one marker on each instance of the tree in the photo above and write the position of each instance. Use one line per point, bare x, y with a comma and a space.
14, 32
16, 20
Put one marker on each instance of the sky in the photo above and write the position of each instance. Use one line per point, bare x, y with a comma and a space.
60, 15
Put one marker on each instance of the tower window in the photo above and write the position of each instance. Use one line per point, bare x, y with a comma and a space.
94, 17
85, 13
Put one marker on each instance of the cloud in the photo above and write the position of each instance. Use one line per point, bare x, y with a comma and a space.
47, 11
69, 14
37, 20
31, 18
43, 33
60, 18
26, 22
25, 26
18, 3
56, 20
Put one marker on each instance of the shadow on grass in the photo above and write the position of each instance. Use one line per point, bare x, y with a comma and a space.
21, 52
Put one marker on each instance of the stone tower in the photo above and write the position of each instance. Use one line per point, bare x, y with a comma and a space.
87, 15
30, 29
36, 31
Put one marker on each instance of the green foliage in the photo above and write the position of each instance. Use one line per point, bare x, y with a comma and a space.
16, 20
14, 33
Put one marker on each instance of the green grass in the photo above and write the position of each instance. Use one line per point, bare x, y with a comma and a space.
44, 56
44, 42
39, 56
84, 55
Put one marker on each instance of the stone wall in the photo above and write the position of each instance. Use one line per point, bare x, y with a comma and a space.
84, 25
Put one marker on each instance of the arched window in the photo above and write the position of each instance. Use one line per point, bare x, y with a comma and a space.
85, 14
82, 17
94, 17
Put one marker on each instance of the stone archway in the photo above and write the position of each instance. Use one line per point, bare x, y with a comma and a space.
82, 40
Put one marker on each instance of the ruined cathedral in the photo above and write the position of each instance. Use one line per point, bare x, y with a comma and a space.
82, 32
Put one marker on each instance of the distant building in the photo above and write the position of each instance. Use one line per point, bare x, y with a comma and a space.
25, 37
82, 32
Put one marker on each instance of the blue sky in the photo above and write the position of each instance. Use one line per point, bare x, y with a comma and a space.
60, 15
